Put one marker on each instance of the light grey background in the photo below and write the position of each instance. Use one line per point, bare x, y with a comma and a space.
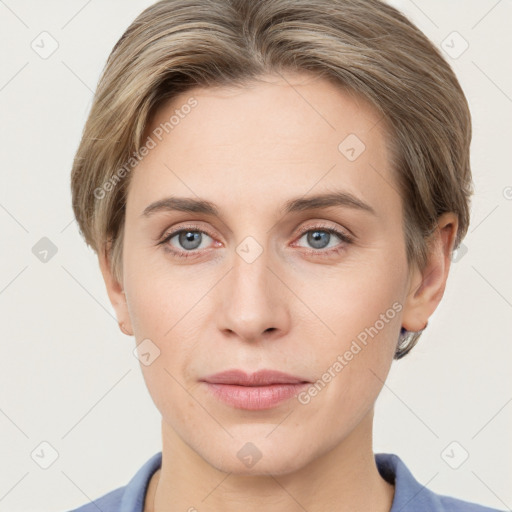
68, 375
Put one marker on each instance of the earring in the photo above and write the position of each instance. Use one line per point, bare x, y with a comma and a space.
407, 339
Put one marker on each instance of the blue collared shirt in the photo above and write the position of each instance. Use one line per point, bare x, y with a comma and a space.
410, 495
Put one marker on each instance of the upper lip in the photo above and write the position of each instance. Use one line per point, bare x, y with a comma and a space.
259, 378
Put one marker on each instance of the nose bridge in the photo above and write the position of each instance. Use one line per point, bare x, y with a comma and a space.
250, 278
252, 301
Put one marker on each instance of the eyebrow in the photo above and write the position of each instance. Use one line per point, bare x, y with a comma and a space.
327, 200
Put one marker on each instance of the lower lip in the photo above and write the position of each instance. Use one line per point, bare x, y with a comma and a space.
255, 398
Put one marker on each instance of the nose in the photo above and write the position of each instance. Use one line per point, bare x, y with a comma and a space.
254, 302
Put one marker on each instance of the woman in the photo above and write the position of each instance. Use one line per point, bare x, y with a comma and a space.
274, 190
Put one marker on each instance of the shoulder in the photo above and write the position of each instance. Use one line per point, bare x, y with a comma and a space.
450, 504
411, 496
129, 498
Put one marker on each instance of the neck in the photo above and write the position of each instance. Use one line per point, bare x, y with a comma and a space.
345, 478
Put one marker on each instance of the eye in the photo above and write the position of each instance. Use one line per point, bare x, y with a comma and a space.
324, 240
184, 242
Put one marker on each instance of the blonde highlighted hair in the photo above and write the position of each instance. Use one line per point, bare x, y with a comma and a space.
364, 46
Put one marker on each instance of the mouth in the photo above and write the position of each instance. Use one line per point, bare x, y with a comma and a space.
263, 389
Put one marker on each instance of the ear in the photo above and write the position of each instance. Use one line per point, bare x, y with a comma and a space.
115, 292
426, 286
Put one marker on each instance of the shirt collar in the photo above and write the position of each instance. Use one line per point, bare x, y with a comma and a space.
410, 495
135, 492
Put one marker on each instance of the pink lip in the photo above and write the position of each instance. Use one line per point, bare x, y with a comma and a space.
260, 390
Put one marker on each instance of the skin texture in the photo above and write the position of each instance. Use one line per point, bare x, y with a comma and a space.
249, 150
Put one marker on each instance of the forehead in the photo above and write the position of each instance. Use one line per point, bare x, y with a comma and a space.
285, 104
291, 134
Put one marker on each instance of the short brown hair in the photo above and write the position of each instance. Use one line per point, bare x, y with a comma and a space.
365, 46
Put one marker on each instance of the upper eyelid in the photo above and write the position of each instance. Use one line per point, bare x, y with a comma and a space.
193, 227
328, 227
174, 232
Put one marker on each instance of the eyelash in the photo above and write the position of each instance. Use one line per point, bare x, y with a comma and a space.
346, 239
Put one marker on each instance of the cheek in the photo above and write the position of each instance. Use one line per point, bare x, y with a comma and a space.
160, 298
353, 298
171, 396
352, 364
162, 313
167, 308
360, 312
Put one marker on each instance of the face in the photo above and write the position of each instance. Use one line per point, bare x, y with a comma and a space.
270, 276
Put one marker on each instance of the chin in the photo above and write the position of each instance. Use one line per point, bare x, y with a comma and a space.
259, 455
